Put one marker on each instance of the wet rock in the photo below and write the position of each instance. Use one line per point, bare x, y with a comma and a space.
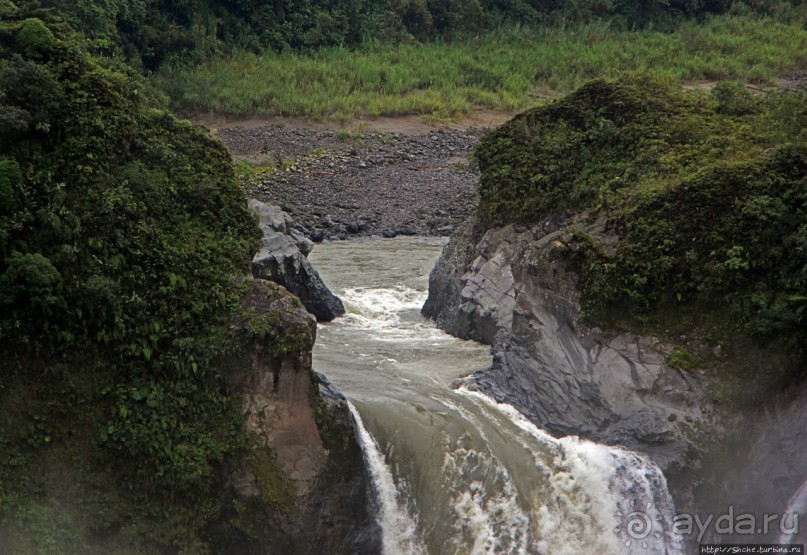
317, 235
282, 260
309, 433
303, 243
509, 287
389, 233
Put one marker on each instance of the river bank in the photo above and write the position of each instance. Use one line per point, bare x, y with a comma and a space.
397, 176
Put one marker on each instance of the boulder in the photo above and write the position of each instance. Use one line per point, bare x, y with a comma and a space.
282, 259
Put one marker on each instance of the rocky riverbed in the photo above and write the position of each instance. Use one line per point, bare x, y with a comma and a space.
338, 184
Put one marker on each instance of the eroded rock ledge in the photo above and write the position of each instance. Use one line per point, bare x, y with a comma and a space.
512, 287
302, 486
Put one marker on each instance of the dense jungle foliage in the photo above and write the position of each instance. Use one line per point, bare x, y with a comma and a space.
152, 32
707, 193
121, 231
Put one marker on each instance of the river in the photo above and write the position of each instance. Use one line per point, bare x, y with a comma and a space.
455, 472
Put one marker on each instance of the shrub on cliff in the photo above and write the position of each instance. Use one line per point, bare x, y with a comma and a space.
121, 229
707, 193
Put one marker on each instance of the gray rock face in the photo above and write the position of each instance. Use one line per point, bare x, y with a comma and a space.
282, 259
445, 281
511, 288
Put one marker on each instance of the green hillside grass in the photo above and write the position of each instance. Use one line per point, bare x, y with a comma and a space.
502, 71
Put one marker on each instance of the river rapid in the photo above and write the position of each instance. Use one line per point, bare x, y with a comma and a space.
455, 472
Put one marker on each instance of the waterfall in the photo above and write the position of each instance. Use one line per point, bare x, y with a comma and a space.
606, 498
398, 527
461, 474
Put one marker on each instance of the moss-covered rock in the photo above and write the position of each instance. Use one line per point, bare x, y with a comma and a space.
705, 191
302, 486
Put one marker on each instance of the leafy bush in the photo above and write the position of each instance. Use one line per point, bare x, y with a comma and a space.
734, 99
10, 179
32, 283
34, 37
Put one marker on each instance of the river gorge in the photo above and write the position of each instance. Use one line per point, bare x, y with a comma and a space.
504, 421
454, 471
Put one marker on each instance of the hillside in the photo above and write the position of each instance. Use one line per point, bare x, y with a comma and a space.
129, 331
704, 193
151, 34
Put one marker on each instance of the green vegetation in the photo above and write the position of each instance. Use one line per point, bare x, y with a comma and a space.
151, 34
681, 359
707, 193
502, 71
339, 59
122, 229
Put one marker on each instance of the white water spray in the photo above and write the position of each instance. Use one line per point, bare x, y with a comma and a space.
493, 519
603, 498
398, 527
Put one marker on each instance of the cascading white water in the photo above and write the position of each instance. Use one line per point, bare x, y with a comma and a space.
398, 526
586, 473
483, 478
490, 520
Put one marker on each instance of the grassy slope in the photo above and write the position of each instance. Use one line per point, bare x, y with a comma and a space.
505, 71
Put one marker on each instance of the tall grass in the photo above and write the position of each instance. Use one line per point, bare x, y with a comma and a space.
507, 70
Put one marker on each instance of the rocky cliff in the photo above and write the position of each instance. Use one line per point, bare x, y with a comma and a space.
304, 472
637, 264
301, 486
282, 259
510, 288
